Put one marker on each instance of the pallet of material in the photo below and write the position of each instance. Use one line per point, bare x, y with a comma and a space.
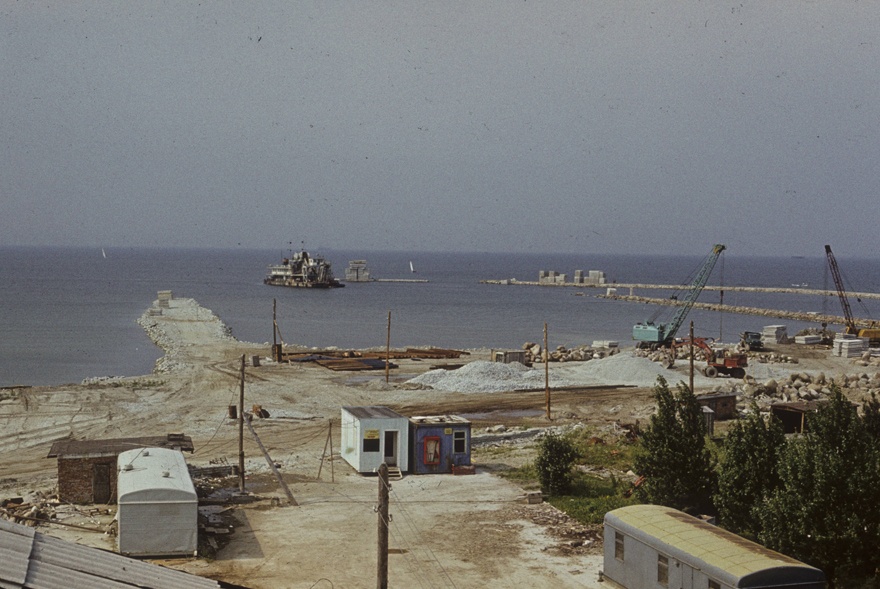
353, 364
807, 339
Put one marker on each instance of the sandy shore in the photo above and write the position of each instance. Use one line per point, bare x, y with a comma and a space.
472, 529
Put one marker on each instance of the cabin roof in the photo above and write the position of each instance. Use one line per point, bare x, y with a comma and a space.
723, 555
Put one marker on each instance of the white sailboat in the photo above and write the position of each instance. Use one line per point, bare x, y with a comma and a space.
103, 253
411, 268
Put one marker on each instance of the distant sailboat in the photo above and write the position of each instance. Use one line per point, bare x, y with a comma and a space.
411, 269
103, 253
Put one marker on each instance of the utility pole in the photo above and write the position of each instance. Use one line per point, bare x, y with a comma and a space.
241, 429
692, 357
388, 348
382, 569
547, 373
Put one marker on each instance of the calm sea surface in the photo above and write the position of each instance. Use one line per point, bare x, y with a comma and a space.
68, 314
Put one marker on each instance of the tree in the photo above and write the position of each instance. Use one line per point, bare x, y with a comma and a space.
556, 456
871, 416
825, 510
673, 456
748, 472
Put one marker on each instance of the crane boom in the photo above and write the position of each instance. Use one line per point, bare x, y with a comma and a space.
662, 334
841, 293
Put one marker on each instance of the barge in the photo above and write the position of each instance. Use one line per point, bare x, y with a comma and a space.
304, 271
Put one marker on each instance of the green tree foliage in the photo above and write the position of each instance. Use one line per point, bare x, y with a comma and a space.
673, 456
825, 511
871, 416
556, 456
747, 472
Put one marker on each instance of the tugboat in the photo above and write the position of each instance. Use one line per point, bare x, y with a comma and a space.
302, 270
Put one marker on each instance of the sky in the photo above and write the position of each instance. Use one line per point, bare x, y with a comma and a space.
498, 126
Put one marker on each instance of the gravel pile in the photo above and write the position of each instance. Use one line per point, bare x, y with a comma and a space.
485, 377
620, 369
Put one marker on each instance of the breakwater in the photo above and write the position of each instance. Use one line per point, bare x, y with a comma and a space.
611, 293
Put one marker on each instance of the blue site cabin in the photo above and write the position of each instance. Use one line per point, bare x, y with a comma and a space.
656, 547
439, 444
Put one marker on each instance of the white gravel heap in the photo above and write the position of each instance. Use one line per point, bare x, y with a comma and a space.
622, 369
484, 377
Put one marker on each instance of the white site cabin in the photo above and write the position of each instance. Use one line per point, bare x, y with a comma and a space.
373, 435
158, 508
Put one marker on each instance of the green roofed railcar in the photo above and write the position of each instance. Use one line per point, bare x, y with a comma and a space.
656, 547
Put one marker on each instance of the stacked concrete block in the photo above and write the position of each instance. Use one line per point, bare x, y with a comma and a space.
777, 334
847, 346
165, 297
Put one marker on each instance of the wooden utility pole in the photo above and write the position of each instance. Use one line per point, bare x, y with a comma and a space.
546, 372
692, 358
241, 429
272, 464
388, 348
274, 326
328, 442
382, 569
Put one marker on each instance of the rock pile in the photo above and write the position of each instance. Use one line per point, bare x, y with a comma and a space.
534, 353
801, 386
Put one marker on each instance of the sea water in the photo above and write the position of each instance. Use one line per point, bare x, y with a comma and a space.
68, 314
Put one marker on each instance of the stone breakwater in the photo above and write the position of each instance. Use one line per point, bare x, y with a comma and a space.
178, 327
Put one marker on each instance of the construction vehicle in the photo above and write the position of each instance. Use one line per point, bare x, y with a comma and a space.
649, 334
751, 341
872, 333
718, 360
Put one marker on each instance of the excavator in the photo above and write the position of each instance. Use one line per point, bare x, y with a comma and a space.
872, 333
652, 335
718, 361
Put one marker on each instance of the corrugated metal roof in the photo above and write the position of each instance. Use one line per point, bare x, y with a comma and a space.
373, 412
439, 419
115, 446
723, 555
31, 560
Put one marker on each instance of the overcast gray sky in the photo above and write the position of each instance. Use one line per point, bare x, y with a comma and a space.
588, 126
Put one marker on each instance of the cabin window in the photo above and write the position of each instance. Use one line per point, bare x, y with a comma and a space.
371, 445
714, 584
618, 546
458, 442
432, 450
662, 570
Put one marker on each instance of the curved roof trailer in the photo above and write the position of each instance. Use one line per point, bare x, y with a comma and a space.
655, 547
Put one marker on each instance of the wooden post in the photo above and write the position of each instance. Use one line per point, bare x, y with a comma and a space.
274, 326
388, 348
382, 560
692, 358
271, 463
330, 435
547, 372
241, 429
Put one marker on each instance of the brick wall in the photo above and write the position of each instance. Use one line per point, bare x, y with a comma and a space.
75, 478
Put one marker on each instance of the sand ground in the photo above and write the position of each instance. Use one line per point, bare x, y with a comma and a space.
455, 531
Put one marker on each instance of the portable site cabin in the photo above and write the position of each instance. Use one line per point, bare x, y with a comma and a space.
373, 435
655, 547
158, 508
439, 443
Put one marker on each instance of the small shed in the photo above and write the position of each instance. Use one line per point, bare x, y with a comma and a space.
158, 507
372, 435
651, 547
439, 443
723, 404
87, 468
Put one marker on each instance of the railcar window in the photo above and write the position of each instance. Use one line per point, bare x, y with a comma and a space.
618, 545
662, 570
714, 584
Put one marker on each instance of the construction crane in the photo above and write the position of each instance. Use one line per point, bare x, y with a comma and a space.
654, 335
851, 329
